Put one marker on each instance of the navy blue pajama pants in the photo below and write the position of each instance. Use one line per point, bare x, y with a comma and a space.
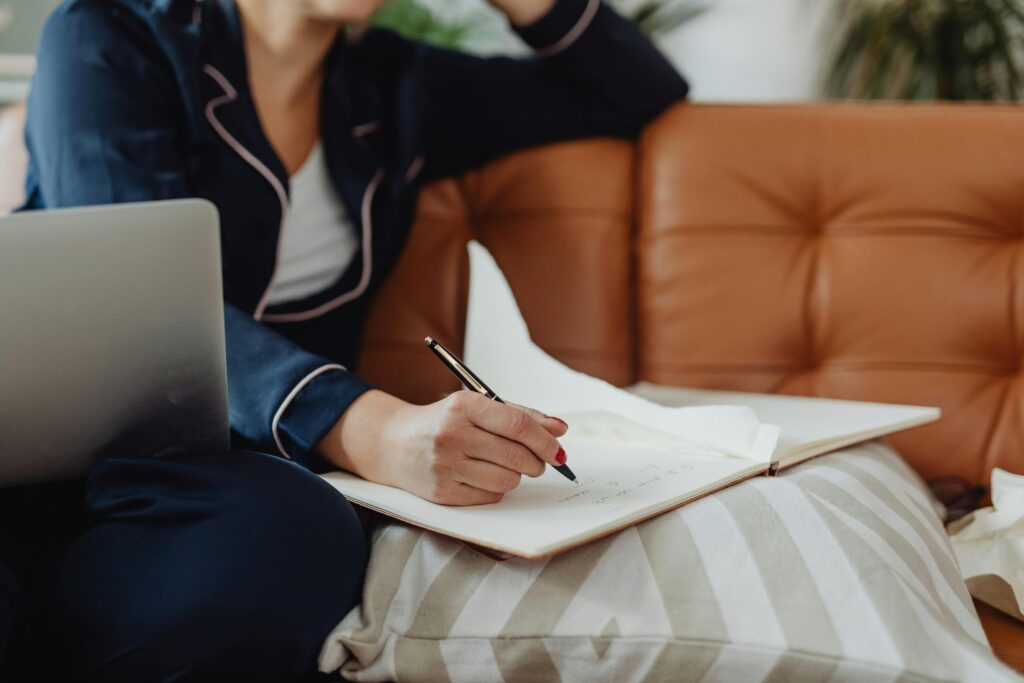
216, 567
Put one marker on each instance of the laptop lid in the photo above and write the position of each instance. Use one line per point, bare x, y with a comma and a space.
111, 337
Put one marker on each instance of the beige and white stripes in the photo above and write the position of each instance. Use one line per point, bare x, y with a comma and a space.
837, 570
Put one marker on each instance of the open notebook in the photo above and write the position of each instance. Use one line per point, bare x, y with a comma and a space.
634, 457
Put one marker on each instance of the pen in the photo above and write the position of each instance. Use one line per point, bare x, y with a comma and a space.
474, 383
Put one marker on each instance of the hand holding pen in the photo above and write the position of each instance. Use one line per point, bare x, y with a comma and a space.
466, 449
474, 383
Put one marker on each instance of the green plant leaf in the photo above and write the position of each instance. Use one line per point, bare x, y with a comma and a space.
925, 49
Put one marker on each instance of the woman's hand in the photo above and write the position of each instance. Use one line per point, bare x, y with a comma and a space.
463, 450
523, 12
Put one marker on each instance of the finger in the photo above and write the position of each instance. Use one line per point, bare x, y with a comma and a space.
555, 426
482, 445
470, 495
516, 425
486, 476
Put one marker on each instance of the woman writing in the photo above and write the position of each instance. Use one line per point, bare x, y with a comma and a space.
312, 145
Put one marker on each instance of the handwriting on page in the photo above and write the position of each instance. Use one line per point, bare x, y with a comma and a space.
604, 489
589, 489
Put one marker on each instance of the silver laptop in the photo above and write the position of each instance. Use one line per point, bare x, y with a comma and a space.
111, 337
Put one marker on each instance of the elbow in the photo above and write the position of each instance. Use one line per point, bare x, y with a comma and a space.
675, 90
683, 89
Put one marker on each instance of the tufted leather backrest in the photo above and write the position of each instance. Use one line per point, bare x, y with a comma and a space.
558, 221
858, 251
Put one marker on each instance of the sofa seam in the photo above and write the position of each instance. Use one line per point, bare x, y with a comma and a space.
724, 230
900, 366
640, 211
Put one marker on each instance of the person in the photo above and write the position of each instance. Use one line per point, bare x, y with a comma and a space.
312, 140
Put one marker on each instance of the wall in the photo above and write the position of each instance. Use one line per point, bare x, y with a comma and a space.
19, 23
755, 50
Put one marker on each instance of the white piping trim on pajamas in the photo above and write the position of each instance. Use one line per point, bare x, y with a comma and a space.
364, 280
414, 168
574, 33
291, 397
230, 95
364, 129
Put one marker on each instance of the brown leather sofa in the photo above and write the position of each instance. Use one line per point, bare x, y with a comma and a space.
857, 251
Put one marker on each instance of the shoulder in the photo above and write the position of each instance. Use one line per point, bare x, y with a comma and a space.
86, 38
85, 28
104, 17
101, 61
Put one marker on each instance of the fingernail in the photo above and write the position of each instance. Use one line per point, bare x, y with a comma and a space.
558, 419
560, 457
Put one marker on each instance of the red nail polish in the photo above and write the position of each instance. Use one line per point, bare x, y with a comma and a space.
560, 457
558, 419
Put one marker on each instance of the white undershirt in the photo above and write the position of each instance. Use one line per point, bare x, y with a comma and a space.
318, 239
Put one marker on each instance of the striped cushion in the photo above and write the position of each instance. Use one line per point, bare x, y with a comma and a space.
837, 570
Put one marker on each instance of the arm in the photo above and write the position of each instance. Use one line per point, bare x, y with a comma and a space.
593, 73
106, 125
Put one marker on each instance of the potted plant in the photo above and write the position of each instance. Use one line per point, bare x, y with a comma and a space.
929, 50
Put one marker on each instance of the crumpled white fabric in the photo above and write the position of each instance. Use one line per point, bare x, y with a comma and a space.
989, 546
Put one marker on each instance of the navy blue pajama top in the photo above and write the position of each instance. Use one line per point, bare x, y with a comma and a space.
137, 100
